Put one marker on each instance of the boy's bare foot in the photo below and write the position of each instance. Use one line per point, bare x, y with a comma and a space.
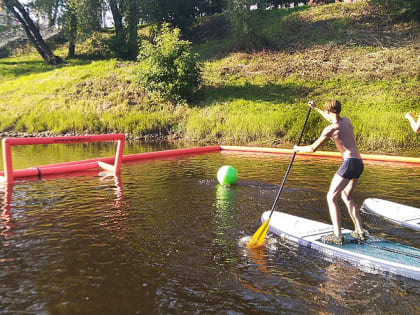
332, 239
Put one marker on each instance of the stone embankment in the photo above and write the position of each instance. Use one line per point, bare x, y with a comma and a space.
148, 138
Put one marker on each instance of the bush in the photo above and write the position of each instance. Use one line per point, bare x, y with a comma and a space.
167, 68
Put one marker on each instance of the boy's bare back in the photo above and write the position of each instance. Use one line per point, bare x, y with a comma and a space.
342, 134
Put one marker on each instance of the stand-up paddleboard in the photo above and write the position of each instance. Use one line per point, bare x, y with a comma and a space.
395, 212
374, 253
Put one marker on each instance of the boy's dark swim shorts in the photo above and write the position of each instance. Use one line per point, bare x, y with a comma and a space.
351, 168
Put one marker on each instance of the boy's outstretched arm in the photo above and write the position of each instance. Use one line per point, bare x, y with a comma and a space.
323, 113
326, 133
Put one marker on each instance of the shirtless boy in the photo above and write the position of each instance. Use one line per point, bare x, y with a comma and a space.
344, 181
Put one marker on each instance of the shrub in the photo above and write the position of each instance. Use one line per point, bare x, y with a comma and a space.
167, 69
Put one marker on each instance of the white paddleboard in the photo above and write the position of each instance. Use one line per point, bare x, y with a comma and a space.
395, 212
376, 254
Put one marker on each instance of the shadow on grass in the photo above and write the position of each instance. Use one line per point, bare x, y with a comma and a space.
215, 40
271, 93
366, 31
16, 69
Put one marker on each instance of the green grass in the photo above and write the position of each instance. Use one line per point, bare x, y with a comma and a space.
353, 52
265, 113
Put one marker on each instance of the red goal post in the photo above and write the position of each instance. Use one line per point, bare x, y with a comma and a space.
9, 174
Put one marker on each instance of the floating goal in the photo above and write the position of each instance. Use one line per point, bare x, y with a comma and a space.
9, 174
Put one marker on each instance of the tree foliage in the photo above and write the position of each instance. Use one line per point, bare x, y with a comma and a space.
180, 13
239, 15
167, 67
51, 8
80, 19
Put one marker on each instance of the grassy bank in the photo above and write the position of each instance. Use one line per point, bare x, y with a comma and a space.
354, 52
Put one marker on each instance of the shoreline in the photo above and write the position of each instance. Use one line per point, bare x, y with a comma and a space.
42, 134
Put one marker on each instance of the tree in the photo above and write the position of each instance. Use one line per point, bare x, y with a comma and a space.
210, 7
125, 44
32, 31
239, 16
116, 8
180, 13
81, 18
133, 21
49, 7
89, 15
70, 23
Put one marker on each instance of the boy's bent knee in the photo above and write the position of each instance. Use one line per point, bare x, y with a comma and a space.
332, 196
346, 197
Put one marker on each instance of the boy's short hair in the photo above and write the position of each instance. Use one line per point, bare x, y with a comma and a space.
333, 106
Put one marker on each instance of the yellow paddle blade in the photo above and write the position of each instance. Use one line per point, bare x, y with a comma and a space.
258, 239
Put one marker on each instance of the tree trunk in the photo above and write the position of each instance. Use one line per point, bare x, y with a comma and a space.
72, 34
52, 14
32, 32
133, 20
97, 16
116, 15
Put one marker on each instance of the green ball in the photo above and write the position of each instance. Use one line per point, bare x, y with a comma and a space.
227, 175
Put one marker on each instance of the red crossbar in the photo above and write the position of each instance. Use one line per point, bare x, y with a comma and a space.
9, 174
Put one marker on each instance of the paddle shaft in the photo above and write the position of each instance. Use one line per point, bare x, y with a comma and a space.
290, 165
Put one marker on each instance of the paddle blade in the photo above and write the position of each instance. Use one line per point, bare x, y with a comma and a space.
258, 239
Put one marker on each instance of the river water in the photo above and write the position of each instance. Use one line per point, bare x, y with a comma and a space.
164, 237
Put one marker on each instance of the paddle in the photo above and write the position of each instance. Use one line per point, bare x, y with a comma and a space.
258, 238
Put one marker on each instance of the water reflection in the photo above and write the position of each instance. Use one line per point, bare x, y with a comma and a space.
108, 180
226, 211
225, 222
117, 214
115, 179
338, 288
257, 256
6, 214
